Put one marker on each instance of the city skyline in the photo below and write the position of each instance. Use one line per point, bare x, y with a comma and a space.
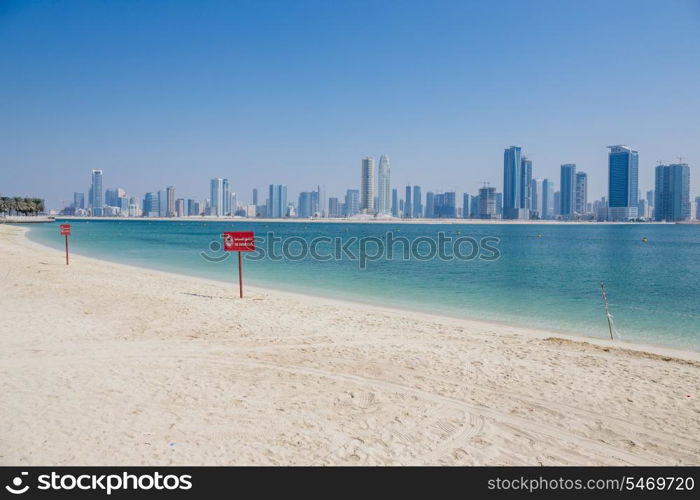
92, 87
523, 197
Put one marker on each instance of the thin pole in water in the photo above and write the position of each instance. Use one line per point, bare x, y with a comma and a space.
607, 313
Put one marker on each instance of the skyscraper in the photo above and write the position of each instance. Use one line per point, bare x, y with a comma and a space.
697, 208
512, 178
487, 202
445, 205
384, 186
367, 186
407, 205
170, 209
162, 203
352, 202
672, 190
394, 203
304, 208
150, 205
567, 190
216, 197
623, 183
255, 196
417, 203
429, 205
79, 200
547, 199
180, 207
333, 206
466, 205
581, 195
525, 183
537, 198
96, 193
226, 198
277, 201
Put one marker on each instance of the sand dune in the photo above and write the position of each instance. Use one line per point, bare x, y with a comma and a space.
104, 364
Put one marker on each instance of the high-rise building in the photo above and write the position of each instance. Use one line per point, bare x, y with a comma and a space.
547, 199
466, 205
162, 203
367, 186
150, 205
445, 205
537, 198
216, 197
557, 203
79, 200
304, 208
567, 190
394, 203
623, 183
333, 207
697, 208
226, 208
513, 192
672, 192
352, 202
277, 201
474, 207
255, 196
429, 205
180, 207
171, 209
407, 205
487, 202
384, 186
96, 194
581, 194
525, 183
417, 203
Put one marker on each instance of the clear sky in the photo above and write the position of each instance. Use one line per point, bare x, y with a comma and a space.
297, 92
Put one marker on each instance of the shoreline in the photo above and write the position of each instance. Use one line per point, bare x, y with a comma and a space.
110, 364
536, 332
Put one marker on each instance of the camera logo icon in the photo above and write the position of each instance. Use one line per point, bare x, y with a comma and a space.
16, 487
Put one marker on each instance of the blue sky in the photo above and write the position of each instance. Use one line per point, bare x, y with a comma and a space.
173, 92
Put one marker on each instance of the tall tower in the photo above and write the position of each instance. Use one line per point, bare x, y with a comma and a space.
170, 194
96, 194
512, 164
384, 186
672, 191
581, 196
623, 183
367, 186
216, 196
567, 190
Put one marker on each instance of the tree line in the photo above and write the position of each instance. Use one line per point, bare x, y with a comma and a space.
19, 205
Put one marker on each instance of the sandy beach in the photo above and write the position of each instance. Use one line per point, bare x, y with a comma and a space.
106, 364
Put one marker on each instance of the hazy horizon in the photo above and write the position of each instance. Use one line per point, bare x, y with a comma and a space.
297, 93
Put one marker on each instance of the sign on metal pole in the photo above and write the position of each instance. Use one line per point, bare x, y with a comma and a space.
65, 231
239, 241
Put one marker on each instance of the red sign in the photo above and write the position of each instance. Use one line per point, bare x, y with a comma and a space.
239, 241
65, 229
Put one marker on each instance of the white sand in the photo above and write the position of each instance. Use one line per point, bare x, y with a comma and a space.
104, 364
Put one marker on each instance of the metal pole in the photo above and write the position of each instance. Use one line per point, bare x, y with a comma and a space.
240, 275
66, 249
607, 314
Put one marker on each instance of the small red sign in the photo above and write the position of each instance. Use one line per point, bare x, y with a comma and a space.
65, 229
239, 241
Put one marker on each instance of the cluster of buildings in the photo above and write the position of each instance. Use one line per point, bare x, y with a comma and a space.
523, 196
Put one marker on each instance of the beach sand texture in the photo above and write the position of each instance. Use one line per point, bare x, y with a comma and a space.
105, 364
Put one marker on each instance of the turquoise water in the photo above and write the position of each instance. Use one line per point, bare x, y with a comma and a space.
552, 281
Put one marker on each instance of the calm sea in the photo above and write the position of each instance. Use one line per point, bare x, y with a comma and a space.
546, 276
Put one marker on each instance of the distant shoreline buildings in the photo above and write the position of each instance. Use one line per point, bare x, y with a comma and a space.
524, 196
